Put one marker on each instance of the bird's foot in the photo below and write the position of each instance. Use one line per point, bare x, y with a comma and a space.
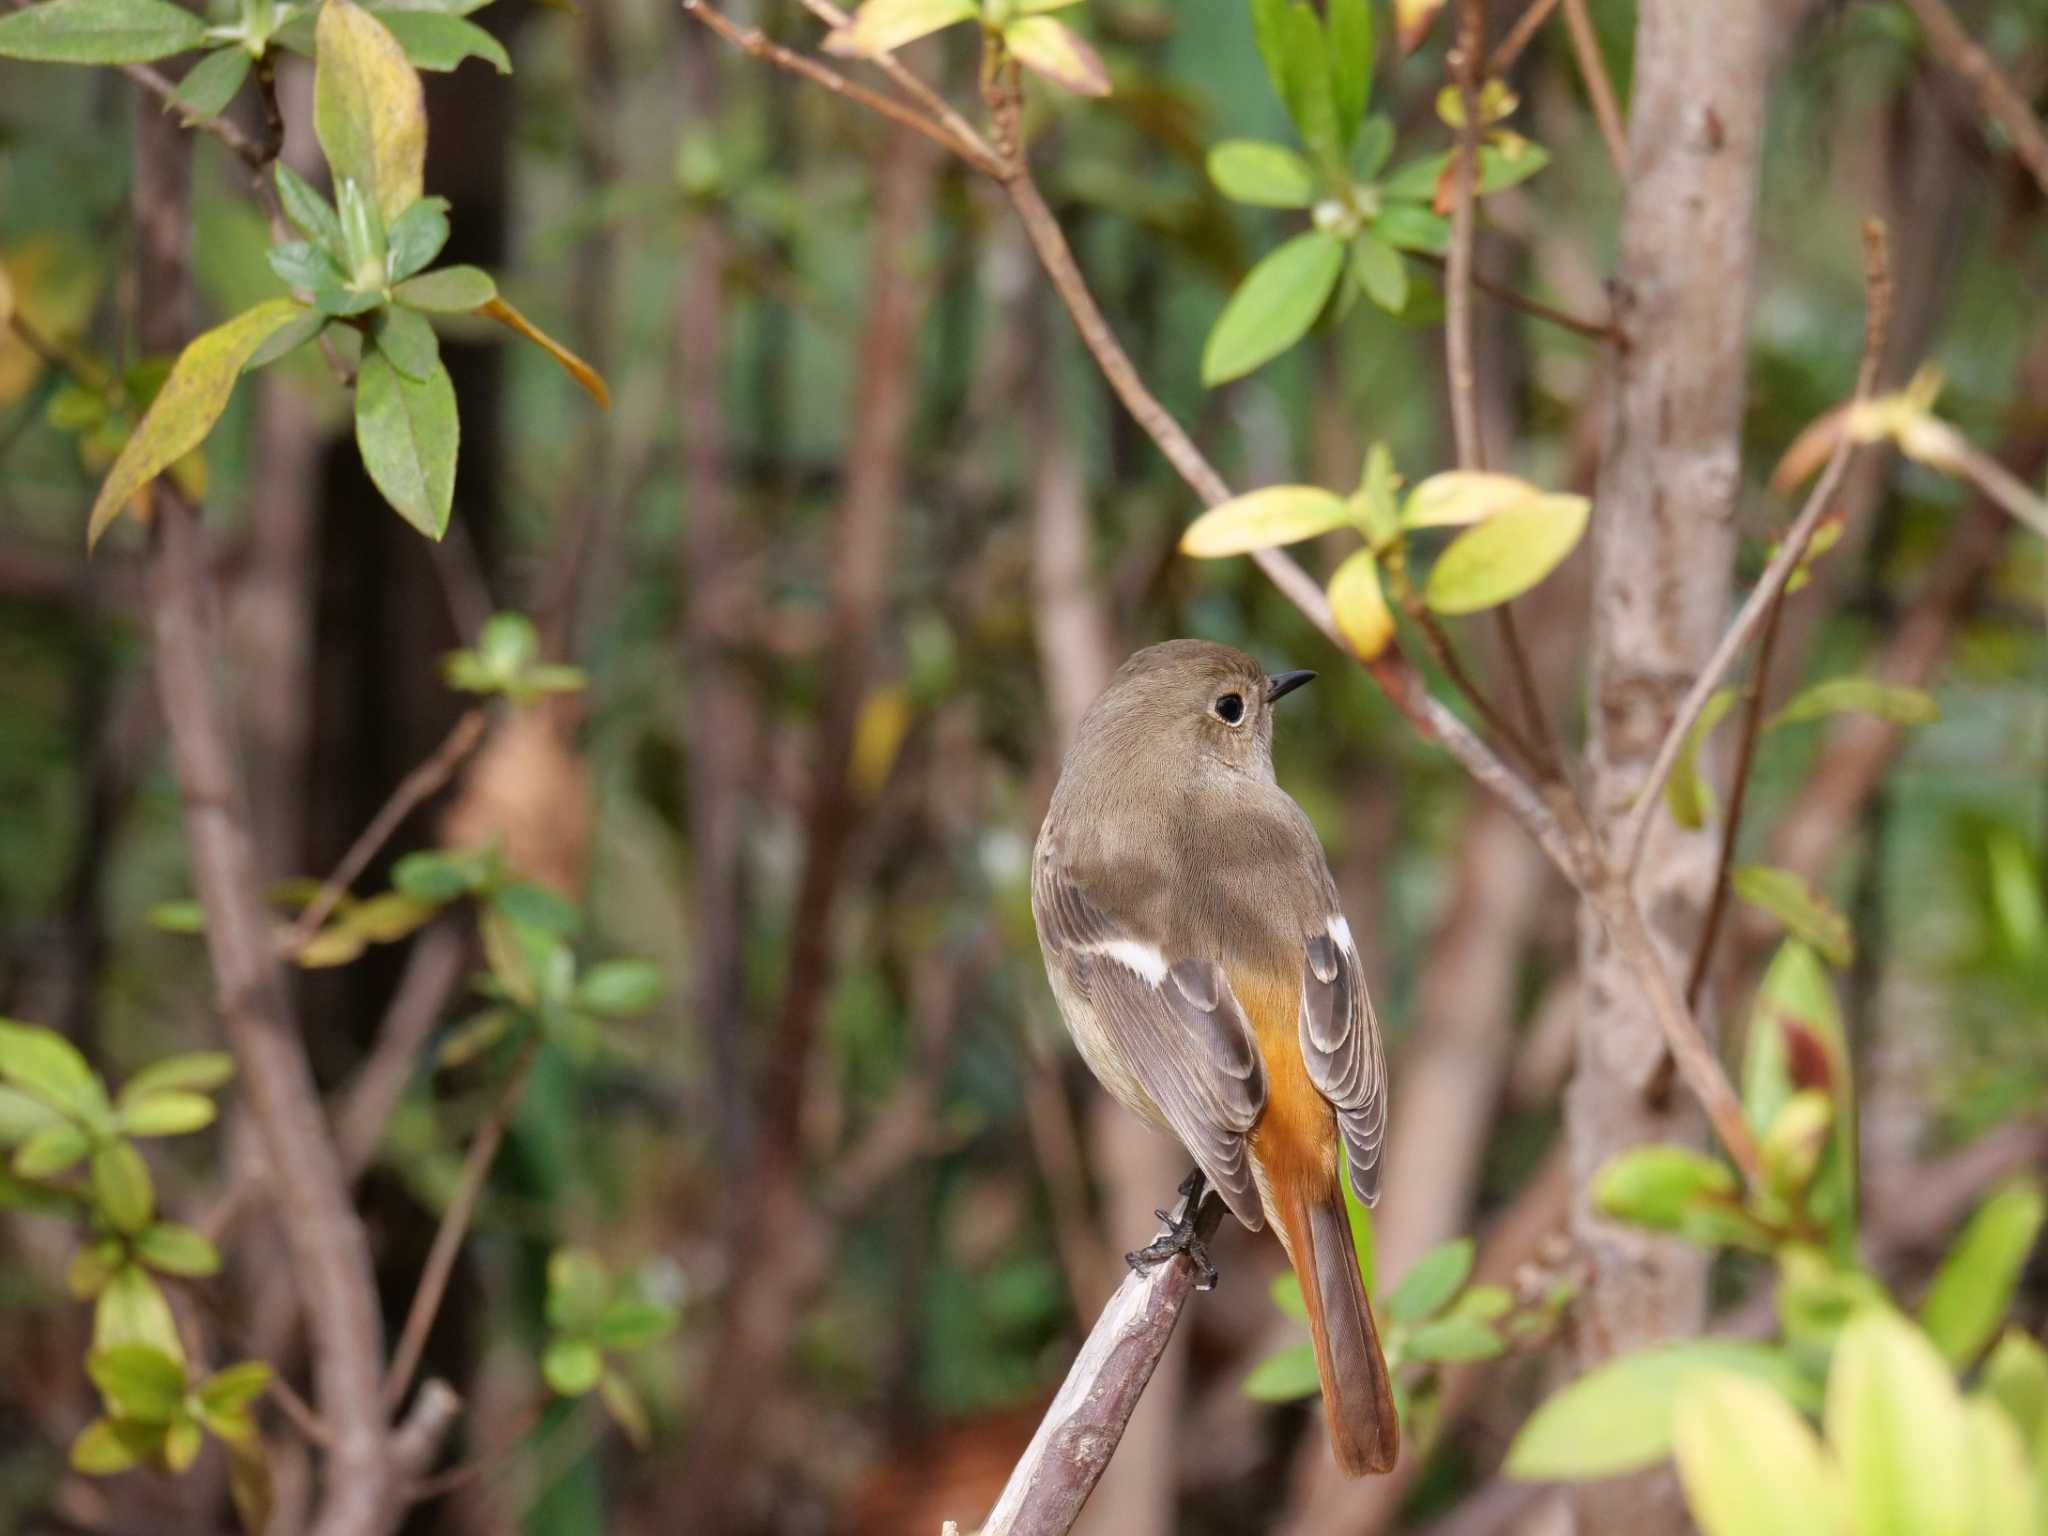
1181, 1236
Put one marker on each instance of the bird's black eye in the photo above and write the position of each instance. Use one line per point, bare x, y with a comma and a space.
1229, 708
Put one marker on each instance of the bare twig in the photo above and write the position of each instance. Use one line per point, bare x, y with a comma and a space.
1738, 792
1458, 368
978, 150
1877, 319
1081, 1429
1998, 96
424, 781
486, 1462
1593, 69
1519, 36
1514, 298
299, 1411
447, 1245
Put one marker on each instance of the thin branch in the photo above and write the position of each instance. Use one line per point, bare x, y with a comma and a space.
299, 1411
487, 1462
1520, 35
434, 1275
1731, 826
1514, 298
423, 782
1878, 301
1996, 94
1458, 368
1593, 69
977, 149
1086, 1421
752, 40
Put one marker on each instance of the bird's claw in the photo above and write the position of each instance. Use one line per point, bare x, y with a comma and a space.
1180, 1236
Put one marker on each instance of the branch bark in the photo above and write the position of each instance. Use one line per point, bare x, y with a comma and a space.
325, 1240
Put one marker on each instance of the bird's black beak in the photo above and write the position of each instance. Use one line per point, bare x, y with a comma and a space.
1284, 683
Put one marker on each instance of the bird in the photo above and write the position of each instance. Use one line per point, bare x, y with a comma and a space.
1200, 958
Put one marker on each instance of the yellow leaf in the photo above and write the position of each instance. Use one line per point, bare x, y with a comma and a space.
188, 405
883, 25
369, 111
54, 283
1412, 21
878, 734
1359, 606
1750, 1464
1279, 514
1507, 554
1460, 496
1057, 52
593, 382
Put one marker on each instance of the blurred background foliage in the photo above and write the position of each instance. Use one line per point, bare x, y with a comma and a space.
955, 1244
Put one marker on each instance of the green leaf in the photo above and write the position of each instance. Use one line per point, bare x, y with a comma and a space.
1973, 1289
368, 109
1507, 554
417, 235
438, 877
1351, 61
131, 1310
303, 265
1359, 606
1687, 794
1454, 1338
407, 342
1382, 275
43, 1063
1750, 1465
104, 1447
211, 83
1056, 51
289, 337
306, 208
182, 1441
22, 1117
572, 1366
2010, 1499
1498, 169
538, 907
182, 916
51, 1150
1896, 1422
1859, 695
1457, 498
452, 290
1264, 519
1412, 227
1657, 1185
121, 1185
170, 1249
229, 1391
1432, 1280
1274, 306
1285, 1376
1262, 174
165, 1112
507, 645
138, 1381
408, 435
437, 41
2016, 1378
1286, 1294
389, 916
193, 1072
1269, 29
1306, 84
187, 406
619, 989
99, 32
882, 26
628, 1324
1618, 1416
1788, 897
577, 1290
474, 1036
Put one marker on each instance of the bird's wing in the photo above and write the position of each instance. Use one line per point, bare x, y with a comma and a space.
1174, 1022
1340, 1040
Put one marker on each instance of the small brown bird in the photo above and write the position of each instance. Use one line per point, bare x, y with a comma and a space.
1203, 965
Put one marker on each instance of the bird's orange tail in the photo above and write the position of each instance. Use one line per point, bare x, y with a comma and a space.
1358, 1400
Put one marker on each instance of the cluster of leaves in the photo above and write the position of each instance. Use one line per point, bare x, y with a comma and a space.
505, 661
1434, 1317
56, 1114
1515, 535
1363, 215
1020, 29
434, 36
1906, 1450
361, 277
593, 1323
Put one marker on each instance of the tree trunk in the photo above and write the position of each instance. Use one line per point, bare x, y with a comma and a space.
1664, 548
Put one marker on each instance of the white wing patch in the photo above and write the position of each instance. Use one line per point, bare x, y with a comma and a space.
1133, 955
1341, 932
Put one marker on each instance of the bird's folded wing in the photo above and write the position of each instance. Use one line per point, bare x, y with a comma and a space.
1340, 1040
1174, 1022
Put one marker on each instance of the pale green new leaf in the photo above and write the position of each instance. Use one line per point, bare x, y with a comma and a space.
131, 1310
1264, 519
1382, 275
1859, 695
1359, 606
1897, 1425
881, 26
43, 1063
1431, 1282
121, 1185
139, 1381
572, 1366
1750, 1465
1055, 50
1687, 794
187, 406
1263, 174
1506, 555
1274, 306
194, 1072
1788, 897
1457, 498
1284, 1376
1973, 1289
